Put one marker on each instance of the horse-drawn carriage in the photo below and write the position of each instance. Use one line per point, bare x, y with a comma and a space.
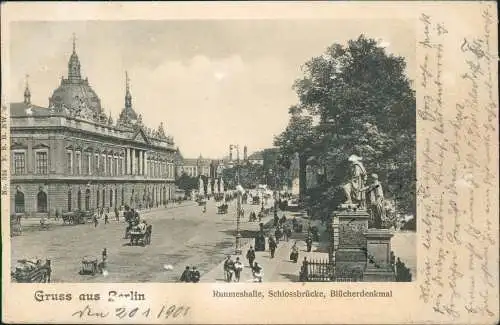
32, 271
222, 209
77, 217
141, 237
202, 202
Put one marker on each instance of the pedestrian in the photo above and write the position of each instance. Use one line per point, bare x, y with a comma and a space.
250, 256
237, 269
96, 221
285, 232
257, 272
309, 243
272, 246
186, 275
106, 218
228, 269
117, 214
277, 234
294, 254
104, 259
195, 275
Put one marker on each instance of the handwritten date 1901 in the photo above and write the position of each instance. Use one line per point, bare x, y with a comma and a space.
165, 312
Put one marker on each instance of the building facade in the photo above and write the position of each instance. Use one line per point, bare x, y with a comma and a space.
70, 156
195, 167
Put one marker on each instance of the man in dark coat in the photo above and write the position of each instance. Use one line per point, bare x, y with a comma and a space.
186, 275
250, 256
309, 243
272, 246
228, 269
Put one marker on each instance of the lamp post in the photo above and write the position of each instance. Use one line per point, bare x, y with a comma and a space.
238, 201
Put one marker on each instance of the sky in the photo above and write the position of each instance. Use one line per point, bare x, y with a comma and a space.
211, 82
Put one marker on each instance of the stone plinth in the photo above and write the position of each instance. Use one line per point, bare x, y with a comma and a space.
349, 240
378, 246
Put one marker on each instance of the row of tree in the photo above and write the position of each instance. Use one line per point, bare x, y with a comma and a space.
353, 99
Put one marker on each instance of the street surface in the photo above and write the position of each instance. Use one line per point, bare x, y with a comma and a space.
182, 236
281, 269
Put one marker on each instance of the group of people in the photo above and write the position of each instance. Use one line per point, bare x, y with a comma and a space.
236, 267
190, 275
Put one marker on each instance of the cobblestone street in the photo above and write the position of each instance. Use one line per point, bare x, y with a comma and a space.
181, 236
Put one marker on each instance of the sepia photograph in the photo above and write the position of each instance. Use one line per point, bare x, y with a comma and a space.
213, 151
250, 162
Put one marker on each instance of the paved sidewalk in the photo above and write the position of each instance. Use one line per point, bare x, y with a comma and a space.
277, 269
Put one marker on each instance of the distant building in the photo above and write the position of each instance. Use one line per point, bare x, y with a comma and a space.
201, 166
71, 156
257, 158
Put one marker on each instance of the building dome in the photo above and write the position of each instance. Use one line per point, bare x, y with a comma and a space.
75, 93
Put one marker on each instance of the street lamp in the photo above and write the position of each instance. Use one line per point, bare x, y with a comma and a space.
239, 190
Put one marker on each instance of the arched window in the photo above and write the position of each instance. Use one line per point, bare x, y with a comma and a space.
79, 200
19, 202
69, 200
87, 200
111, 198
41, 200
98, 197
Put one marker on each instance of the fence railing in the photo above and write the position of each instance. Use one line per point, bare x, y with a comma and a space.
325, 271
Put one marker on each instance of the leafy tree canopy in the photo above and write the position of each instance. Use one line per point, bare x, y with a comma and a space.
355, 99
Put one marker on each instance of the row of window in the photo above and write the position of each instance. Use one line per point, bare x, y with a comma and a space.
42, 202
101, 165
41, 162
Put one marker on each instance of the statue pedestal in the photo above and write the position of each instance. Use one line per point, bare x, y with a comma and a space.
349, 241
378, 246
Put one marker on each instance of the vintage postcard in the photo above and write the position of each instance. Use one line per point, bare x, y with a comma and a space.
249, 163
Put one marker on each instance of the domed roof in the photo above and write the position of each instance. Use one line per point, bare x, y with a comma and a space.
75, 94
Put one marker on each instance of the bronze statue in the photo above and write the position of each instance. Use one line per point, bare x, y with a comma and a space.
354, 188
376, 199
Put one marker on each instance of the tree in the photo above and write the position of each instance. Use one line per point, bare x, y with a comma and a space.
362, 103
186, 183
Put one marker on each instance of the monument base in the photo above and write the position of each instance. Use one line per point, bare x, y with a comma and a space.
350, 243
379, 275
378, 247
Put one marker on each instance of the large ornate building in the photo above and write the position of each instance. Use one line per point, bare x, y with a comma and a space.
71, 156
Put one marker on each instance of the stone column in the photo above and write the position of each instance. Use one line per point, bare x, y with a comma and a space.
123, 165
127, 157
140, 172
145, 163
134, 164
